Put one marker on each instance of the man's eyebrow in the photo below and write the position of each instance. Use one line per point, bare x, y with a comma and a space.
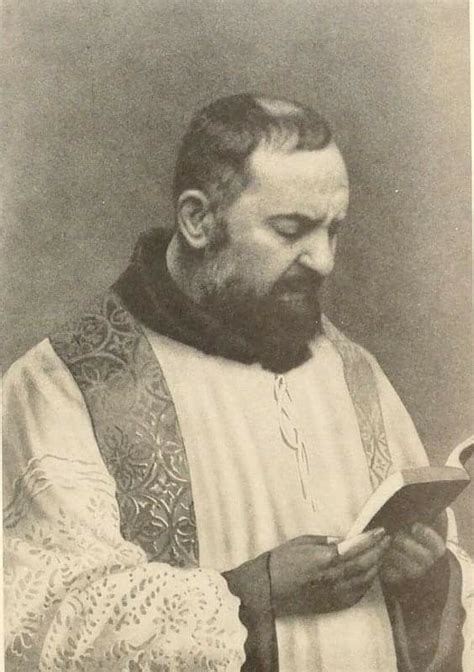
304, 220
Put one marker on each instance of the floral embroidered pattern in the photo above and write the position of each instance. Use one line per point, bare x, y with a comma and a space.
136, 428
362, 387
148, 621
48, 549
80, 597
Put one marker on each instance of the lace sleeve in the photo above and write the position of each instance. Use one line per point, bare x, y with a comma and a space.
77, 595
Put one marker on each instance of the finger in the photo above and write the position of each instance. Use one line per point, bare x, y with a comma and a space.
325, 561
345, 570
360, 580
314, 559
429, 538
414, 550
440, 524
403, 565
307, 539
364, 562
322, 557
391, 572
350, 548
315, 546
352, 591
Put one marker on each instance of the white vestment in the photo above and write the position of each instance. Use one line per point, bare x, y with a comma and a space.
77, 595
251, 492
248, 495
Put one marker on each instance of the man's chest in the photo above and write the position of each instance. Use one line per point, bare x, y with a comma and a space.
270, 457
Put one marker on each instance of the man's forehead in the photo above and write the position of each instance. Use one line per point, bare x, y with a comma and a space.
324, 167
300, 177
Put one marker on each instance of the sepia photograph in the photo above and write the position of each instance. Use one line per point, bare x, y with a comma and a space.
237, 336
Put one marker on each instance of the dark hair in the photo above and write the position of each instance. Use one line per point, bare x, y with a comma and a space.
221, 137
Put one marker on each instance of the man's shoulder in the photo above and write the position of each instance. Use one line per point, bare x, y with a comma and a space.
39, 357
105, 348
344, 343
101, 326
356, 359
34, 372
84, 331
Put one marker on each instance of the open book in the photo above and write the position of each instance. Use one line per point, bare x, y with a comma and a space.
418, 494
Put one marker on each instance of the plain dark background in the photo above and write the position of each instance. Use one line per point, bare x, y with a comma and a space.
98, 93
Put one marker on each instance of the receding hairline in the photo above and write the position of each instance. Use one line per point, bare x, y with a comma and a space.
217, 135
286, 114
264, 154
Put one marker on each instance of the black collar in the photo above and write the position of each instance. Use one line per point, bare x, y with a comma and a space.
151, 295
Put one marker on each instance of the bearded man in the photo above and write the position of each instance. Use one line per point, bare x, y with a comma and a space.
179, 456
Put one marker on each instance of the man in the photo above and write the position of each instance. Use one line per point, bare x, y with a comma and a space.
179, 457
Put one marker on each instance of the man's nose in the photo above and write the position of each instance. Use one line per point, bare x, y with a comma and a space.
318, 254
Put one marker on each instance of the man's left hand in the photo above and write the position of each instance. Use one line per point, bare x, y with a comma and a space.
412, 553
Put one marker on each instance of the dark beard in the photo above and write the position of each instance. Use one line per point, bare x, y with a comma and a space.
276, 328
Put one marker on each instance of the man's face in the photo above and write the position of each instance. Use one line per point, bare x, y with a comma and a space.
280, 242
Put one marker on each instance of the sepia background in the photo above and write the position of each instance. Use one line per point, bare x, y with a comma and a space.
98, 93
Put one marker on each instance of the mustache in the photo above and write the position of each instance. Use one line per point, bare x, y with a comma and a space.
304, 281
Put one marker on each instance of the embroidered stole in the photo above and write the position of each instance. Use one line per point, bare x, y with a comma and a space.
136, 429
138, 433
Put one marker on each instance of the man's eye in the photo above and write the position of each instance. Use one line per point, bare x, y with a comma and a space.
287, 229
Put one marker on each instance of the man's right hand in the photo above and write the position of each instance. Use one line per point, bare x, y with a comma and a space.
309, 577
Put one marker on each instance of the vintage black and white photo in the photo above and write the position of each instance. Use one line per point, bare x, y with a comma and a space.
237, 411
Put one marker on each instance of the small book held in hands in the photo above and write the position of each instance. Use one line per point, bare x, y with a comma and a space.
418, 494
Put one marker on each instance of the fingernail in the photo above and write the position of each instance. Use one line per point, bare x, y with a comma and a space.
379, 532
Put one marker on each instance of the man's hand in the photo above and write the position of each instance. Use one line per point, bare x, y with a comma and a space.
412, 553
307, 577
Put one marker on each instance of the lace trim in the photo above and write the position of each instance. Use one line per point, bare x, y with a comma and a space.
48, 471
78, 600
147, 620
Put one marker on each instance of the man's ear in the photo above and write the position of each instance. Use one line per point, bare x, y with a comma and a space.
195, 218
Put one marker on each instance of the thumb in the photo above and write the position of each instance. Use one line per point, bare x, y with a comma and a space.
353, 546
315, 540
